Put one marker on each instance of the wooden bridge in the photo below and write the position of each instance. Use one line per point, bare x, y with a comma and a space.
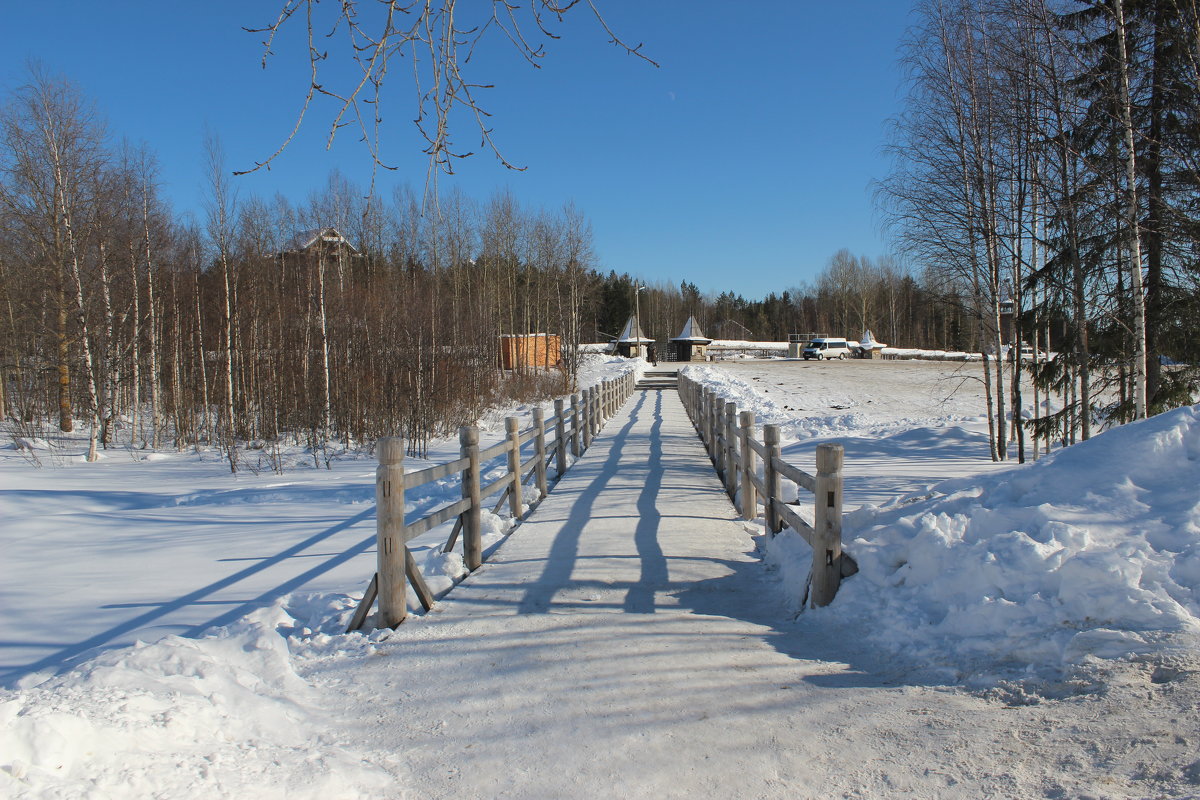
656, 504
623, 640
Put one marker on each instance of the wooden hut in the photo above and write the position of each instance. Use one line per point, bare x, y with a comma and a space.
632, 342
691, 344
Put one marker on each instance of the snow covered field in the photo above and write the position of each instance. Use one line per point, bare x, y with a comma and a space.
1016, 632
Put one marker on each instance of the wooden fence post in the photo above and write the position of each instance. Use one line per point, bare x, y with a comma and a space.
731, 460
513, 426
575, 425
539, 424
587, 417
560, 438
719, 439
771, 476
709, 408
749, 493
597, 411
597, 408
390, 533
827, 525
468, 440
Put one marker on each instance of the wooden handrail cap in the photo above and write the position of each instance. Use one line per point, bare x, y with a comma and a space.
829, 457
390, 450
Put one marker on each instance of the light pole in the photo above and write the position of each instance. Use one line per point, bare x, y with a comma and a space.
637, 319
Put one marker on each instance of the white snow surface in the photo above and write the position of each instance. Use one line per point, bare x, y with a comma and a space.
1015, 631
1028, 571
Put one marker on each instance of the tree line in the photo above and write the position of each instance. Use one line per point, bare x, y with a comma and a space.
1045, 163
1045, 172
226, 332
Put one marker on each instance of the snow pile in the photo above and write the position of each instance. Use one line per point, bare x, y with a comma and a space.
226, 711
1091, 553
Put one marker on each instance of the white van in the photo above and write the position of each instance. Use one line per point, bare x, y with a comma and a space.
821, 349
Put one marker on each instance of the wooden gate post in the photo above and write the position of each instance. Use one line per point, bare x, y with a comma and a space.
771, 476
390, 533
560, 438
513, 427
749, 493
575, 425
468, 439
731, 469
539, 424
827, 525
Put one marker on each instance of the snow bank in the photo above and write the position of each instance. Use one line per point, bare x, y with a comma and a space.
1091, 553
224, 715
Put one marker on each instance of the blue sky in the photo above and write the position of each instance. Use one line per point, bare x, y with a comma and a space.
742, 163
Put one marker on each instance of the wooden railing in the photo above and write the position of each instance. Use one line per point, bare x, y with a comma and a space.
729, 437
575, 422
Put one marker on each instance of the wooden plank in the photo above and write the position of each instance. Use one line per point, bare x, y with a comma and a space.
436, 472
431, 521
364, 605
501, 501
528, 436
758, 447
793, 520
796, 474
417, 580
494, 486
759, 484
453, 539
498, 449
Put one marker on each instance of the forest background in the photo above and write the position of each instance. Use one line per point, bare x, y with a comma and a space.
1045, 161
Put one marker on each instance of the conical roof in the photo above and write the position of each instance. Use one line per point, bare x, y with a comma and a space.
868, 341
632, 333
691, 333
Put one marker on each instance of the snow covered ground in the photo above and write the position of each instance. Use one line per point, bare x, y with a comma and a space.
1014, 632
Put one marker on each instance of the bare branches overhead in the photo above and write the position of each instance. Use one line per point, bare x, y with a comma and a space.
436, 39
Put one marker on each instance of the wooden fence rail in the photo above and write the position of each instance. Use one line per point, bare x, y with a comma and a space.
729, 437
586, 414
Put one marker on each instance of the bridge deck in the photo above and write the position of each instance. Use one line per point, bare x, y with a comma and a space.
622, 642
636, 525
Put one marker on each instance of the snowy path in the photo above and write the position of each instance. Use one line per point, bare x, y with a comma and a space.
639, 525
625, 641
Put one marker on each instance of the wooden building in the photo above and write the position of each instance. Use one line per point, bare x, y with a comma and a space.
530, 350
691, 344
632, 342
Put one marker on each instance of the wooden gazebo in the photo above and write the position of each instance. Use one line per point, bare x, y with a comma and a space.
691, 344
